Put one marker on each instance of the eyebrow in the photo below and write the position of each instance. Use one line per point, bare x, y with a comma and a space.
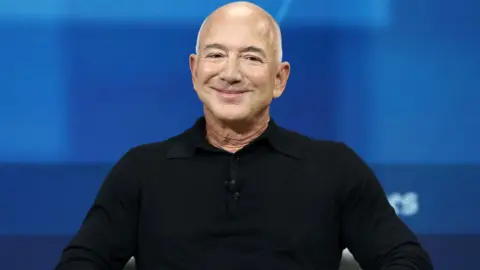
243, 50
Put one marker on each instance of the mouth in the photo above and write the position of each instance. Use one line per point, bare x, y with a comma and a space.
231, 92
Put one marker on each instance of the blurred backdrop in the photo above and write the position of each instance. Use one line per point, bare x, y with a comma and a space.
82, 81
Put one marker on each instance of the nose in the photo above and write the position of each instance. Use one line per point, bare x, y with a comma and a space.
230, 72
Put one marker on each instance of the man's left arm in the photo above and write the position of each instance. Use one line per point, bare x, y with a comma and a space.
371, 230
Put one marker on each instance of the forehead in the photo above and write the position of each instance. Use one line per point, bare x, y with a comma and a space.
238, 32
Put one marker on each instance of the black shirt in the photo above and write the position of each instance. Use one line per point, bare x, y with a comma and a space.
285, 201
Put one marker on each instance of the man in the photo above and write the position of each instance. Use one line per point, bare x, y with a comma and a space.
236, 191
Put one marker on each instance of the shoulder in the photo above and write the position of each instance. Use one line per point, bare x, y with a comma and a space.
313, 147
156, 151
140, 162
336, 155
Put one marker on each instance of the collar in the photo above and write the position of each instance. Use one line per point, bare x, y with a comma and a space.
186, 144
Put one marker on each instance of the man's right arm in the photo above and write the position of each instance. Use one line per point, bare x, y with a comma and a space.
107, 236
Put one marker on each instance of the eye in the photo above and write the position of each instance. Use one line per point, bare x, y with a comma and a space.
253, 58
214, 55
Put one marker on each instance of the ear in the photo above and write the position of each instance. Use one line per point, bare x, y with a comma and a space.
281, 79
193, 67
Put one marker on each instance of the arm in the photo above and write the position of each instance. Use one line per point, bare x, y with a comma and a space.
371, 230
107, 236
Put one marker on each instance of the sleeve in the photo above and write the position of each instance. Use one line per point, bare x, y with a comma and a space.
371, 230
107, 236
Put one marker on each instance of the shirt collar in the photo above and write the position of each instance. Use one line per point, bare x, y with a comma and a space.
186, 144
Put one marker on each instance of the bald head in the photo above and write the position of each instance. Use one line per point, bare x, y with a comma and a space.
245, 10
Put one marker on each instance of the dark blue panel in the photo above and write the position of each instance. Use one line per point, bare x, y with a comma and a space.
47, 199
442, 208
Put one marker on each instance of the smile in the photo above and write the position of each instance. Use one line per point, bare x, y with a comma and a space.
231, 92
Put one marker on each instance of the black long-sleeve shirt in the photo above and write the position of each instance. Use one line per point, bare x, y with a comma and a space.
285, 201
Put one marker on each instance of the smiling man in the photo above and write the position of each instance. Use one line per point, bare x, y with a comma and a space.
237, 191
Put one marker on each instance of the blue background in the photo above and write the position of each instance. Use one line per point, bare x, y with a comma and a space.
82, 81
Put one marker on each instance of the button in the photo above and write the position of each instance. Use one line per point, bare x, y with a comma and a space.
230, 185
237, 159
236, 196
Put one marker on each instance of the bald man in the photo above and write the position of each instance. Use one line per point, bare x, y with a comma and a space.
237, 191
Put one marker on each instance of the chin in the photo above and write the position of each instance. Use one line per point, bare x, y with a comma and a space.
230, 115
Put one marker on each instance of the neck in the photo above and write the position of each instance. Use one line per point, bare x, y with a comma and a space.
233, 136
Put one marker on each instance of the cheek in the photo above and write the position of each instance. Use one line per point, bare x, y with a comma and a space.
262, 81
208, 70
256, 74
